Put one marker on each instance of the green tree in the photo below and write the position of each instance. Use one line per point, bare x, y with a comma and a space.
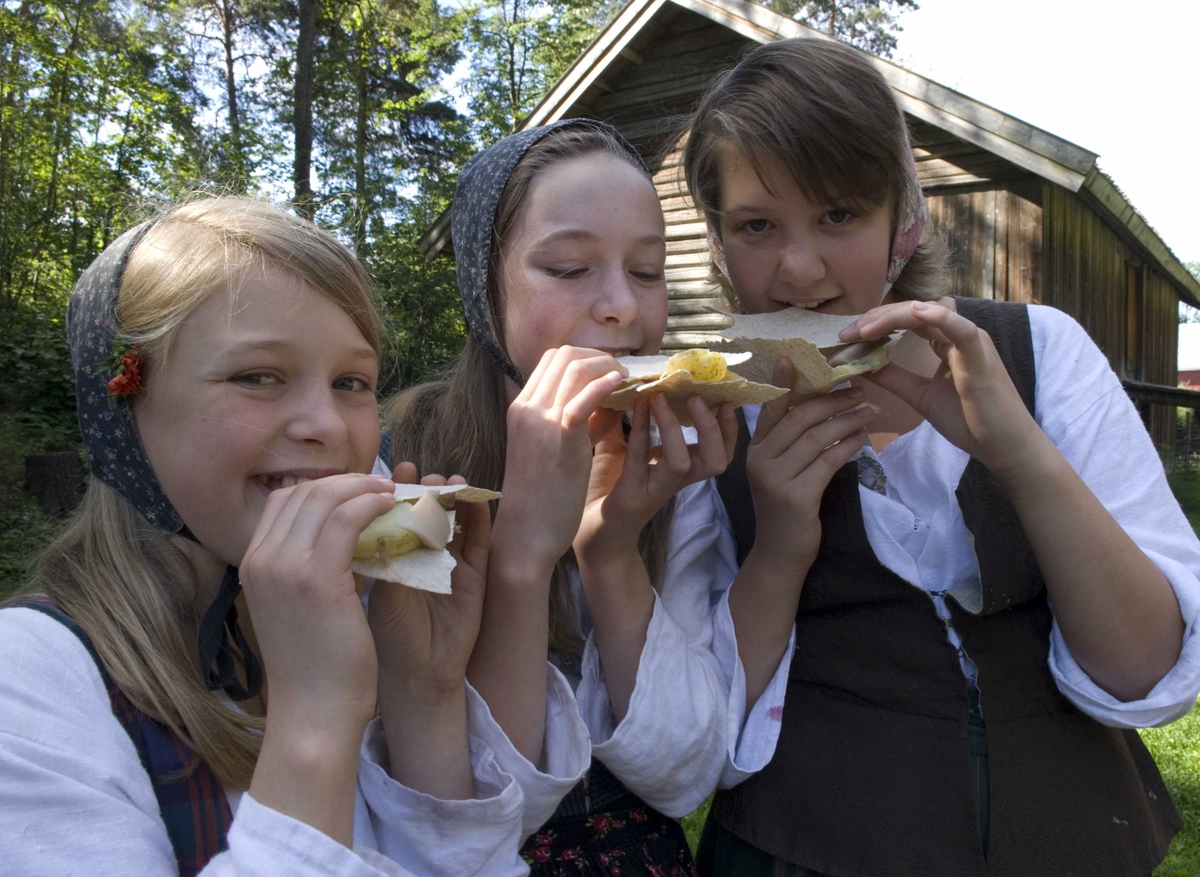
868, 25
381, 117
232, 42
518, 49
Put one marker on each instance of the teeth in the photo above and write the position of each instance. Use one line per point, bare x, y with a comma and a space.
808, 305
272, 483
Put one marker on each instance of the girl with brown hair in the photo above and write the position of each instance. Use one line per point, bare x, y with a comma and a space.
608, 557
977, 556
226, 355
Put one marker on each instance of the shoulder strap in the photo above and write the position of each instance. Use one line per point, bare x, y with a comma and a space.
1008, 569
190, 798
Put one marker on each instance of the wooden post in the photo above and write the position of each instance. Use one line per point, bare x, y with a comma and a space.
55, 480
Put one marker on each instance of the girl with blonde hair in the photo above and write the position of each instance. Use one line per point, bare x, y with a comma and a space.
190, 682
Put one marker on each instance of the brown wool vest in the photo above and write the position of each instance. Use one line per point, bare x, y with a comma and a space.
871, 775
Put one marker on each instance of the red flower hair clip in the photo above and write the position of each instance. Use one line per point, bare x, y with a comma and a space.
125, 366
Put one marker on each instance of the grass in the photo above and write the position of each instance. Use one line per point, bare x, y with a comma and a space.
1176, 748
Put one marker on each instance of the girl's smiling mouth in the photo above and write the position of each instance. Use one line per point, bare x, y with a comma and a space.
291, 477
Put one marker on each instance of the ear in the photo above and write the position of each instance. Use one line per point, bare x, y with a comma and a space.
716, 250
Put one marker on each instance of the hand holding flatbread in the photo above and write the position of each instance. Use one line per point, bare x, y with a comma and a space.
407, 545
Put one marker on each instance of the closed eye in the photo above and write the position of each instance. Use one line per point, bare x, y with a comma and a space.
566, 273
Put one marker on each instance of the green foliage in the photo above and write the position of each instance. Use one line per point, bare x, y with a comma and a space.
1176, 748
518, 49
862, 23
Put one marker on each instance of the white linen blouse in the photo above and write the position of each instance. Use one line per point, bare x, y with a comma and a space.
74, 797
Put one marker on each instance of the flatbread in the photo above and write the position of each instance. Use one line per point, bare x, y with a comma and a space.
447, 493
806, 338
425, 569
646, 379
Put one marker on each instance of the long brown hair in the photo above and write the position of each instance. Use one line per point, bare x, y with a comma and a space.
458, 425
819, 111
133, 589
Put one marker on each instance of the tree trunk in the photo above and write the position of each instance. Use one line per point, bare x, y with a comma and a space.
360, 148
228, 27
305, 46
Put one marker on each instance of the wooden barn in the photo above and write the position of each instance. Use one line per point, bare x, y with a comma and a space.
1030, 216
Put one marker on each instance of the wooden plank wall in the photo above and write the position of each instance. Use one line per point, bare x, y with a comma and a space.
1085, 275
994, 231
1160, 350
688, 271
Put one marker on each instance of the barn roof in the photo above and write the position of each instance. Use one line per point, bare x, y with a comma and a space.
1026, 146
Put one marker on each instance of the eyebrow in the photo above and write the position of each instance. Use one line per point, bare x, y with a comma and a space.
272, 345
746, 208
579, 234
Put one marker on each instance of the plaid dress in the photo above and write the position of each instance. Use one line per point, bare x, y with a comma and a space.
190, 798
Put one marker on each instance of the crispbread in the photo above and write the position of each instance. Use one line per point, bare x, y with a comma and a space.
806, 338
678, 386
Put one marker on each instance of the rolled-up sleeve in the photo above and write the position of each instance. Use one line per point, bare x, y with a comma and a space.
1085, 411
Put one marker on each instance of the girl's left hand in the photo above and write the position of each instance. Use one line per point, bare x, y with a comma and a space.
970, 400
630, 482
425, 639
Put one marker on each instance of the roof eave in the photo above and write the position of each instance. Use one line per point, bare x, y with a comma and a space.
1102, 195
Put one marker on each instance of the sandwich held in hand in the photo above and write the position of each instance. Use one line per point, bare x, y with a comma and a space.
696, 372
810, 340
407, 545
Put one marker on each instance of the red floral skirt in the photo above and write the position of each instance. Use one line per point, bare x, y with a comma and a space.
637, 841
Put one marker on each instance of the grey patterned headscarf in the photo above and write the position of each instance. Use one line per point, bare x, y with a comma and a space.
476, 198
117, 457
114, 451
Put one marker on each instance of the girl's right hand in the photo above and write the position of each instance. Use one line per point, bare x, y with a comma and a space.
315, 644
793, 456
553, 426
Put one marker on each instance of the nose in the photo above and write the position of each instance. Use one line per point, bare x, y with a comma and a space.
616, 302
316, 419
802, 263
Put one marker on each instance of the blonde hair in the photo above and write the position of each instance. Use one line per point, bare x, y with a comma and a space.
134, 589
820, 112
458, 426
